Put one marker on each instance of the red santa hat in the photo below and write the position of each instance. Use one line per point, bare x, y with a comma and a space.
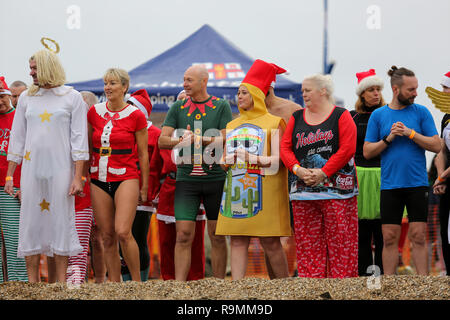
446, 80
367, 79
142, 100
262, 75
4, 87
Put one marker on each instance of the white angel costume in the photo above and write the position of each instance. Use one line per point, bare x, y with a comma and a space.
48, 134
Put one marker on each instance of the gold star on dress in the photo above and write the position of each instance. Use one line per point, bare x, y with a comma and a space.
45, 205
45, 116
27, 156
248, 182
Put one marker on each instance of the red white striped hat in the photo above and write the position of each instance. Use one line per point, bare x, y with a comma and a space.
367, 79
4, 87
141, 99
446, 80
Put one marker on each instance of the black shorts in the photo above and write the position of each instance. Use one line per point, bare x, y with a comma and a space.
189, 194
109, 187
393, 202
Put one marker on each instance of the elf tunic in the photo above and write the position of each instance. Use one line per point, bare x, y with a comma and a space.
114, 131
49, 134
255, 200
206, 118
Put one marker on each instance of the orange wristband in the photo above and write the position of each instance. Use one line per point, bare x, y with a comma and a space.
413, 133
8, 178
295, 168
84, 179
440, 179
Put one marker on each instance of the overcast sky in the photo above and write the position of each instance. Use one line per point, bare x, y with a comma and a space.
363, 34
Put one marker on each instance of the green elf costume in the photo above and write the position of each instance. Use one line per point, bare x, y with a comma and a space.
199, 176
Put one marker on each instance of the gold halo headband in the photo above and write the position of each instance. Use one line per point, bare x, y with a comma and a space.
47, 47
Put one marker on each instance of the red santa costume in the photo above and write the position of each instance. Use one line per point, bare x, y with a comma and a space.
141, 223
114, 155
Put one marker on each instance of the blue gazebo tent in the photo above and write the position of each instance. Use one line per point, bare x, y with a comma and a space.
162, 76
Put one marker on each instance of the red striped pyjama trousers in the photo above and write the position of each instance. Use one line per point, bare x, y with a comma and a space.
77, 267
326, 236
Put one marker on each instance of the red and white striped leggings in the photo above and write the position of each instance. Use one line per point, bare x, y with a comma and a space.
326, 236
76, 270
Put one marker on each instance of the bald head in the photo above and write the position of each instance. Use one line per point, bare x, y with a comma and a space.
89, 98
16, 88
199, 71
195, 82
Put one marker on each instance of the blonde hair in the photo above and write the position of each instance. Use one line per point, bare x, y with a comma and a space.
119, 74
49, 71
323, 82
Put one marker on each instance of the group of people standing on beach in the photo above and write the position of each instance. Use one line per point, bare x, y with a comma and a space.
338, 181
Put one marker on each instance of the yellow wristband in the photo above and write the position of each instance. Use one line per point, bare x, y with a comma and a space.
413, 133
8, 178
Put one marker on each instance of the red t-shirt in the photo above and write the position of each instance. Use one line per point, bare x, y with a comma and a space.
6, 120
115, 130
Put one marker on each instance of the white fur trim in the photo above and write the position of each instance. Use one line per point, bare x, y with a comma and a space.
6, 92
139, 105
165, 218
146, 208
101, 109
446, 81
369, 82
118, 171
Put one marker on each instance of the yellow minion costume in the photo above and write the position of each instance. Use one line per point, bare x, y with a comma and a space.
255, 200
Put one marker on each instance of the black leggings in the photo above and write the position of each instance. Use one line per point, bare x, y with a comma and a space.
444, 208
368, 231
140, 228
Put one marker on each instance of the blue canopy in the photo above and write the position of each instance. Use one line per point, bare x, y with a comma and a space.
162, 76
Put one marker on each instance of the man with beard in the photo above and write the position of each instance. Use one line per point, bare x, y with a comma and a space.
401, 132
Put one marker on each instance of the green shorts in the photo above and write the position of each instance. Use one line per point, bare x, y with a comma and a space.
189, 195
369, 181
